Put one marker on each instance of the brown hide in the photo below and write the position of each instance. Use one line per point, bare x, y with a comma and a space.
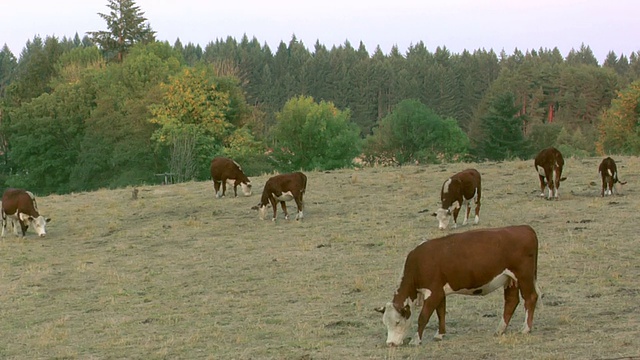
467, 261
550, 159
609, 173
296, 183
223, 169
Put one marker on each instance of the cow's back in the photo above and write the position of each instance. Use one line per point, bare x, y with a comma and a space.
14, 199
223, 168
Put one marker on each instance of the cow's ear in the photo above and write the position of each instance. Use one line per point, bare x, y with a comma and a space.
380, 309
48, 219
406, 311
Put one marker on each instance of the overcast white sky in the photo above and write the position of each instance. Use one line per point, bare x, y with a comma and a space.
457, 24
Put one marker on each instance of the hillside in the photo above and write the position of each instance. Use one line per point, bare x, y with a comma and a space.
178, 274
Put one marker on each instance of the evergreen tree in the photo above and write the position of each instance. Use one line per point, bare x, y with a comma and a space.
502, 130
126, 26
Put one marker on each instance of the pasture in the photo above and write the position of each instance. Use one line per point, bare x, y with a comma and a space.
178, 274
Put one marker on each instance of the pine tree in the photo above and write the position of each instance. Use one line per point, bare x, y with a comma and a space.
127, 26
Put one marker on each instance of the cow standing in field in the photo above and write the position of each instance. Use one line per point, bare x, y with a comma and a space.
457, 191
549, 163
475, 262
20, 206
283, 188
223, 171
609, 173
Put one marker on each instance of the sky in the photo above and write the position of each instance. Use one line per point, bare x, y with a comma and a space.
457, 24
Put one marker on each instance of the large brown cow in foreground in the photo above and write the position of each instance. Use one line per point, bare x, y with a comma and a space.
223, 171
609, 173
475, 262
549, 163
283, 188
20, 206
458, 191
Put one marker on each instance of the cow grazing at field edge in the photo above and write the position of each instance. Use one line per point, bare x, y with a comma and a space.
609, 173
225, 171
20, 206
458, 191
283, 188
475, 262
548, 164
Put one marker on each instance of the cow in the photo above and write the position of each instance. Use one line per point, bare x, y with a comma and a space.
20, 206
475, 262
456, 192
609, 173
223, 171
283, 188
548, 164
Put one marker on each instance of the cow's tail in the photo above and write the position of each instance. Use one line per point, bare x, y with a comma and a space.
535, 277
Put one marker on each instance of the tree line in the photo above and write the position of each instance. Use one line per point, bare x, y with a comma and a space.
116, 107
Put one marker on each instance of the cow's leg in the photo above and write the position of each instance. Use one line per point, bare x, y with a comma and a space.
530, 295
284, 209
604, 184
4, 225
216, 187
511, 300
224, 187
235, 188
430, 304
543, 185
299, 204
441, 311
456, 211
466, 217
274, 205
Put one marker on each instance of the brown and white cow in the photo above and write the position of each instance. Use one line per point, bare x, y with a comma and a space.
283, 188
223, 171
609, 173
549, 163
20, 206
457, 191
475, 262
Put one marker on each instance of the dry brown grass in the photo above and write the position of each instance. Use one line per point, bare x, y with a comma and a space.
178, 274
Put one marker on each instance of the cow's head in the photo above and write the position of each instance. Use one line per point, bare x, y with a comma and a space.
246, 188
262, 209
39, 223
443, 216
397, 322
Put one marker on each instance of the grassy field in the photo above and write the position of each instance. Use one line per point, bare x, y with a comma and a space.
178, 274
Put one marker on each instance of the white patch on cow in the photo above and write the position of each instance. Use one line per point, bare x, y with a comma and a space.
502, 326
526, 329
300, 215
443, 216
397, 325
285, 196
425, 295
609, 171
263, 211
540, 170
415, 341
445, 186
438, 336
231, 181
500, 281
246, 188
476, 220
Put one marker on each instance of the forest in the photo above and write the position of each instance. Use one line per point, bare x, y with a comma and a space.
116, 107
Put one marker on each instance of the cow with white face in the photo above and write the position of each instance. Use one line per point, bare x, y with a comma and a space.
19, 206
280, 189
475, 262
549, 164
609, 173
457, 191
226, 171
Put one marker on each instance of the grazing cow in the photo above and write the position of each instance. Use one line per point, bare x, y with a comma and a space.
20, 206
609, 173
283, 188
223, 171
458, 191
475, 262
549, 163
